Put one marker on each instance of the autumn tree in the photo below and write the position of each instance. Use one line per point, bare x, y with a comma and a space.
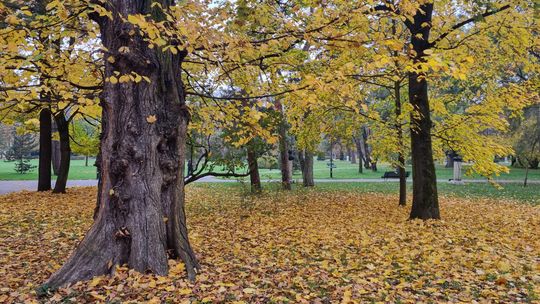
150, 50
526, 141
47, 74
85, 138
433, 29
22, 146
142, 119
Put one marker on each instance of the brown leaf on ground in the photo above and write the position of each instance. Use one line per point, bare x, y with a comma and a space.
302, 247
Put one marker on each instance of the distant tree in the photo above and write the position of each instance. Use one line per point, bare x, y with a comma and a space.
526, 139
84, 139
5, 139
23, 145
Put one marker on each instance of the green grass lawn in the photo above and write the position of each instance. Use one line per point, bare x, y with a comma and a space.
343, 170
77, 170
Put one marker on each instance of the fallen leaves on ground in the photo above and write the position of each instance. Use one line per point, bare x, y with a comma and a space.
300, 247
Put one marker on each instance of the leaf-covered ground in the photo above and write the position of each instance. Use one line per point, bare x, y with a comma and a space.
303, 247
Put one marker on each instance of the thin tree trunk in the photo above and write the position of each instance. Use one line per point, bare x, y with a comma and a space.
86, 160
65, 153
425, 201
358, 144
352, 155
401, 158
402, 181
284, 152
301, 157
307, 169
526, 176
331, 159
254, 176
141, 219
45, 150
365, 148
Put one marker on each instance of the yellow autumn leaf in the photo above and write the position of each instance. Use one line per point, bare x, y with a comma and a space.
151, 119
113, 79
184, 291
95, 281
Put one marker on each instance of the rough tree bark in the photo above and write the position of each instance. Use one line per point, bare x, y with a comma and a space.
254, 176
141, 220
425, 201
65, 152
45, 150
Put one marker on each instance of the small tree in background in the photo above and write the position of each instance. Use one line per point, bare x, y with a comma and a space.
85, 139
23, 145
6, 137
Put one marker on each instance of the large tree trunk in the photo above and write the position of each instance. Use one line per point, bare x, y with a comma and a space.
254, 176
141, 220
65, 153
425, 201
45, 150
307, 169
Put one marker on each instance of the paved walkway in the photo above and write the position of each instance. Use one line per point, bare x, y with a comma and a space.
14, 186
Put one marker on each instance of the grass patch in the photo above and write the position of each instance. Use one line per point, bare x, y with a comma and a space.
77, 170
344, 170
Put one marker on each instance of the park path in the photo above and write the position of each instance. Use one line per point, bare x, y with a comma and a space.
14, 186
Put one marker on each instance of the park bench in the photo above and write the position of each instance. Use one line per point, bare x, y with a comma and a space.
393, 174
